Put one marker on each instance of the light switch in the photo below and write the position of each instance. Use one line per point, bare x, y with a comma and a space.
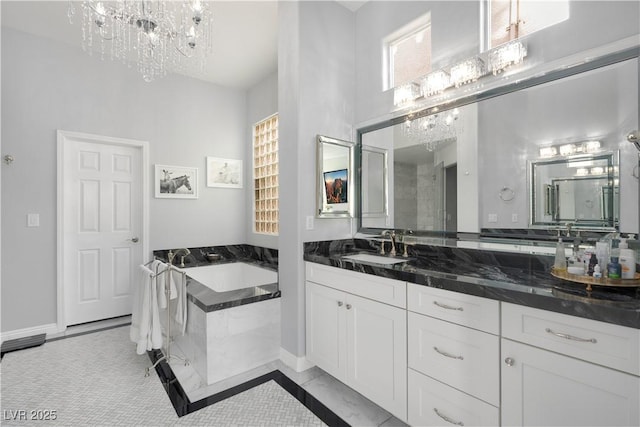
33, 220
514, 217
310, 222
493, 217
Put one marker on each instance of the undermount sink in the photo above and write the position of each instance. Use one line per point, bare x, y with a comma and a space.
376, 259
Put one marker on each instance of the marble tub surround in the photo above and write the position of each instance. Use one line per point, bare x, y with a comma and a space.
518, 278
224, 343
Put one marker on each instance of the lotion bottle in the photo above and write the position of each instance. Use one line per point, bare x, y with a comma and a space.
627, 261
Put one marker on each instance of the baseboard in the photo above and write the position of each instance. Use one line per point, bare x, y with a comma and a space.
296, 363
48, 329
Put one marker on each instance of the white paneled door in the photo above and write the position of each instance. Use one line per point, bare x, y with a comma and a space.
101, 208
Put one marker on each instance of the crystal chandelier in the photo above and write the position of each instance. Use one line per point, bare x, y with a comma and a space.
435, 130
161, 36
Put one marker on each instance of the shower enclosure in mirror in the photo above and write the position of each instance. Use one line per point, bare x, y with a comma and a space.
462, 167
335, 160
581, 190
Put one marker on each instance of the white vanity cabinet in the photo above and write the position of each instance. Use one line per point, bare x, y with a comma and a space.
356, 331
563, 370
454, 369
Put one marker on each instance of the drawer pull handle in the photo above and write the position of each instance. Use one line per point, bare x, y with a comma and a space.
448, 307
340, 303
447, 419
348, 306
444, 353
571, 337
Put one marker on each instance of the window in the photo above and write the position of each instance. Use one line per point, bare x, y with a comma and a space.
408, 52
265, 175
511, 19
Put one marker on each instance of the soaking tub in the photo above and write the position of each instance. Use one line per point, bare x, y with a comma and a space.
233, 319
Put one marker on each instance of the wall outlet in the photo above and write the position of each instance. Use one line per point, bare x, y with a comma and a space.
310, 222
492, 217
514, 217
33, 220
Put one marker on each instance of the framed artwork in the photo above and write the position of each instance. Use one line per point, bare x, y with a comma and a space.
335, 184
225, 173
176, 182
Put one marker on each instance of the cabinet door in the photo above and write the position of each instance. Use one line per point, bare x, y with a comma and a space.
377, 353
326, 334
541, 388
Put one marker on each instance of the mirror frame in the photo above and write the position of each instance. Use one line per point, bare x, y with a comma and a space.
517, 84
324, 210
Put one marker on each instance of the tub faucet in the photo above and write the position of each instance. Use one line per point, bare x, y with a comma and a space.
172, 255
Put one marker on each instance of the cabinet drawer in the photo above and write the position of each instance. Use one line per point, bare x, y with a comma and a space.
468, 310
610, 345
432, 403
464, 358
388, 291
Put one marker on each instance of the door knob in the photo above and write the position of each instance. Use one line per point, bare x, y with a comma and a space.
509, 361
134, 240
348, 306
340, 303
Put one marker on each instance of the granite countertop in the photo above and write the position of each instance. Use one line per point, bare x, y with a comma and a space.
510, 277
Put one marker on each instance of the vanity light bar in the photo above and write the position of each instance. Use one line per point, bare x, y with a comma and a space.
467, 71
570, 149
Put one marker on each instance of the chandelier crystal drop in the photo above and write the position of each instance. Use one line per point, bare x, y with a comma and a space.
161, 36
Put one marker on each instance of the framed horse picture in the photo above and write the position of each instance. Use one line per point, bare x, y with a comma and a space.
176, 182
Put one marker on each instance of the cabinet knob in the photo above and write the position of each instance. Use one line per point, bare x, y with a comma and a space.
340, 303
348, 306
509, 361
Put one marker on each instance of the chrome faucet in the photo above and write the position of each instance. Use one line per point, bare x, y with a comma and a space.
171, 255
392, 235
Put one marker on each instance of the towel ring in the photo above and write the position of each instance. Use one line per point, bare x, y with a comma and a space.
636, 172
506, 194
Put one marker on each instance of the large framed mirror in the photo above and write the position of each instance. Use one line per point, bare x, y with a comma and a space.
335, 183
461, 168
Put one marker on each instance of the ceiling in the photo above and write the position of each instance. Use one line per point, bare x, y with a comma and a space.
245, 35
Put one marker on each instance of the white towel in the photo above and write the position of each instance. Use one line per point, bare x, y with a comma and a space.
146, 330
180, 282
158, 267
138, 309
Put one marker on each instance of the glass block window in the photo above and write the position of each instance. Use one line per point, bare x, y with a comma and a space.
265, 175
511, 19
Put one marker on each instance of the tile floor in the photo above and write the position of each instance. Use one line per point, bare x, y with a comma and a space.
347, 404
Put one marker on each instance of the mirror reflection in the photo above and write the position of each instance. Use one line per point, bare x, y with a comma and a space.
581, 190
464, 168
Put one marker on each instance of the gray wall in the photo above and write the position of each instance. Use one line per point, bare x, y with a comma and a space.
315, 96
47, 86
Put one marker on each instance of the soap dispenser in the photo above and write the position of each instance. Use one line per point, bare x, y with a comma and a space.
560, 263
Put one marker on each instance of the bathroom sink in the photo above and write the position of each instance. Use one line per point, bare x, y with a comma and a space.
376, 259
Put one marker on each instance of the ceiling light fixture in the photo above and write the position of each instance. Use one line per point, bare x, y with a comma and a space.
165, 36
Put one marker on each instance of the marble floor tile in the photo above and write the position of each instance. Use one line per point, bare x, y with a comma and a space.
351, 406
